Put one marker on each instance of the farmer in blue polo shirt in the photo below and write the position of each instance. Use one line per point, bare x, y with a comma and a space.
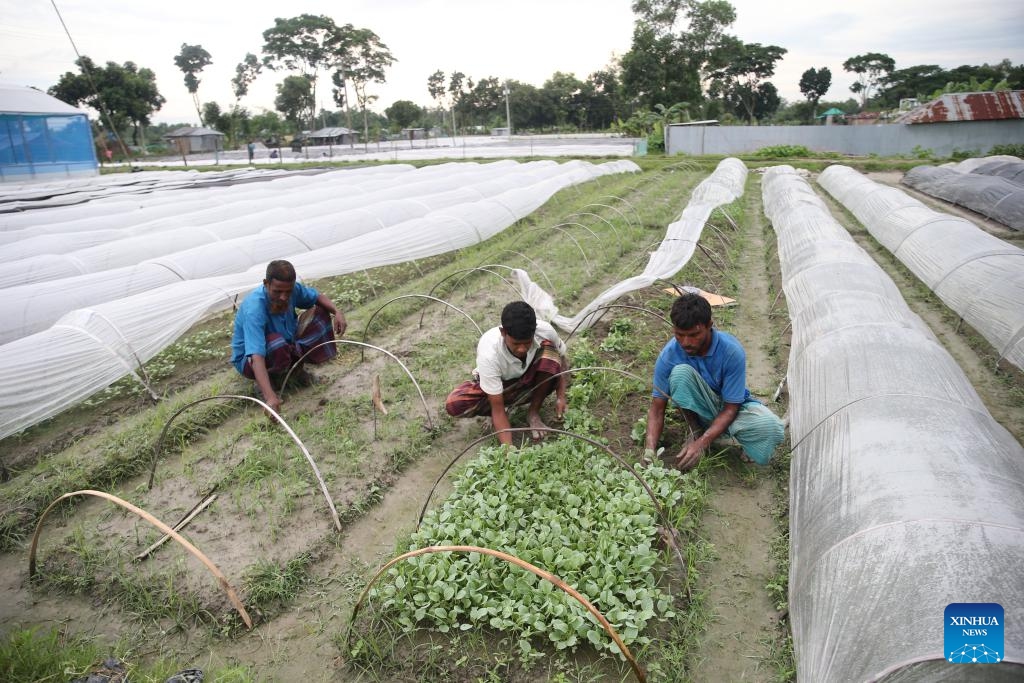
270, 338
703, 371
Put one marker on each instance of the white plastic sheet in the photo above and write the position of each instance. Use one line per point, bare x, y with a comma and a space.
91, 347
675, 250
905, 494
979, 276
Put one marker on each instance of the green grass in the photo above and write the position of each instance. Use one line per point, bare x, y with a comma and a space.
340, 431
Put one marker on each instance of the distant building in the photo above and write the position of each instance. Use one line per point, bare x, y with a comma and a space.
336, 135
994, 105
413, 134
188, 140
42, 138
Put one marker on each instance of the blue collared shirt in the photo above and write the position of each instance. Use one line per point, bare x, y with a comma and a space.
254, 322
723, 367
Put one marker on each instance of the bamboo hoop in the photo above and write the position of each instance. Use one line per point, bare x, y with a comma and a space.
610, 207
366, 330
532, 263
198, 554
426, 408
618, 237
512, 559
636, 213
280, 420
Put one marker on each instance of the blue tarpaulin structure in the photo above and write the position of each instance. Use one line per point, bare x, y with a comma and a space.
42, 138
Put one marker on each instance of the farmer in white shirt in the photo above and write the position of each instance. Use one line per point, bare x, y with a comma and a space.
515, 360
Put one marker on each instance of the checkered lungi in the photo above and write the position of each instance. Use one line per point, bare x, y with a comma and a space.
314, 328
469, 400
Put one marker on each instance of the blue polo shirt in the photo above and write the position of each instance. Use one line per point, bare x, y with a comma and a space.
254, 322
724, 367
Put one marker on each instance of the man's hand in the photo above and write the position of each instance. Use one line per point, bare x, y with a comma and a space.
560, 406
274, 402
340, 324
693, 451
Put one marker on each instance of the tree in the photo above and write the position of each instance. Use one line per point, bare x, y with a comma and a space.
403, 114
664, 65
306, 43
245, 73
739, 82
369, 57
870, 68
192, 60
295, 100
562, 91
814, 84
126, 92
605, 91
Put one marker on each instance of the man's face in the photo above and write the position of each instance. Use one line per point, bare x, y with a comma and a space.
694, 340
517, 347
279, 293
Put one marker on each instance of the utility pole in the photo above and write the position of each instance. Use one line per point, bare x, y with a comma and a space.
508, 113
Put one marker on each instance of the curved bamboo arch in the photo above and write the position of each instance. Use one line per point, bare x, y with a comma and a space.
532, 263
602, 308
567, 234
636, 214
232, 596
426, 408
468, 270
618, 237
158, 447
579, 225
484, 266
657, 506
512, 559
610, 208
366, 329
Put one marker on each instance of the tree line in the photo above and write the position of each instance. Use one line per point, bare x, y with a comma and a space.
683, 64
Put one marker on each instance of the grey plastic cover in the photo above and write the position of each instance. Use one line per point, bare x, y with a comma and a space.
905, 494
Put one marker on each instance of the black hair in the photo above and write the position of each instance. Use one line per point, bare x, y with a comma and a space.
519, 320
282, 271
690, 310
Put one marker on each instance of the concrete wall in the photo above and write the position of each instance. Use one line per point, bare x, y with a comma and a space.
884, 140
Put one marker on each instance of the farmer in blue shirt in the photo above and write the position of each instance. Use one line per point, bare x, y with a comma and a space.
704, 372
269, 337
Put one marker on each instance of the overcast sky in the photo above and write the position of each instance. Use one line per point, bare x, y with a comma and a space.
526, 40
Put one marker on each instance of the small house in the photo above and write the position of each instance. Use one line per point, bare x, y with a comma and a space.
189, 140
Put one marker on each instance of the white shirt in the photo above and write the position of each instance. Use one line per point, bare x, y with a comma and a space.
495, 364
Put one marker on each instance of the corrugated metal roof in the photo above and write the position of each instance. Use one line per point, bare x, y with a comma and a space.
18, 99
969, 106
191, 131
329, 132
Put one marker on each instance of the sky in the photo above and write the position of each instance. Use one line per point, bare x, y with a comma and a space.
526, 40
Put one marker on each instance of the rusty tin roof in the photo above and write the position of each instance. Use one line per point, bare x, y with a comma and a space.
969, 106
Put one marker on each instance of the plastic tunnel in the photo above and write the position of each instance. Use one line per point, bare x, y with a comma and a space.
905, 494
722, 187
90, 347
979, 276
994, 196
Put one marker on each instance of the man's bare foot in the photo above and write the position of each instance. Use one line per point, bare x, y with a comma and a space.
536, 424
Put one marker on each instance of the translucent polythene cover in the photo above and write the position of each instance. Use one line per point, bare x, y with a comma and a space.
672, 253
95, 344
990, 195
979, 276
905, 494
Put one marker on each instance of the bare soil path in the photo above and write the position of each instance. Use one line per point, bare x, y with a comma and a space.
740, 524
